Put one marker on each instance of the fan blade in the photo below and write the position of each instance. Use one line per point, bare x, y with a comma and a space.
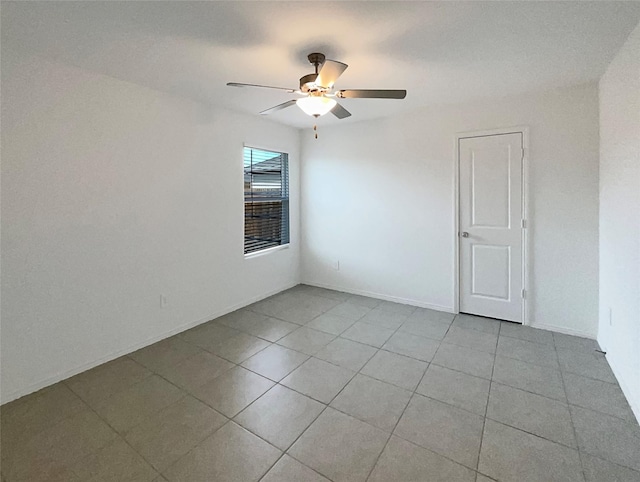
237, 84
329, 73
371, 94
278, 107
340, 112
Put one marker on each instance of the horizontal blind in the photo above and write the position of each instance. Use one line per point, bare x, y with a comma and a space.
266, 199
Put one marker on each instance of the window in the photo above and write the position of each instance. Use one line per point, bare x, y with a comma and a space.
266, 199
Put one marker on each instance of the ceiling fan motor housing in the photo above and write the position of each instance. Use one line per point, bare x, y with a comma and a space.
308, 82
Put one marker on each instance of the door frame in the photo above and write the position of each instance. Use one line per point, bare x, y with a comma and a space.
526, 231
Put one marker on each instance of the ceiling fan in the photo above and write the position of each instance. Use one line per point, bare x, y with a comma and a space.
317, 89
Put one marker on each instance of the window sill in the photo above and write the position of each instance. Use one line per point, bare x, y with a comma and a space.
257, 254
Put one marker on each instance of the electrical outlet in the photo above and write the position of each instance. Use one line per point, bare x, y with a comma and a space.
163, 301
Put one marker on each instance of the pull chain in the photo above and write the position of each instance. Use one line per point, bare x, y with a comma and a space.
315, 129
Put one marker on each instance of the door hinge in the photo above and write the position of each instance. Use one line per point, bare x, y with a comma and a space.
524, 224
524, 294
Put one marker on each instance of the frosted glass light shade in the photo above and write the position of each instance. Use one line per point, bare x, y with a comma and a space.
316, 105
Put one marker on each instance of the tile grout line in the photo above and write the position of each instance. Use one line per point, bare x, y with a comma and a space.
573, 427
326, 405
331, 401
414, 393
384, 447
486, 407
87, 408
123, 437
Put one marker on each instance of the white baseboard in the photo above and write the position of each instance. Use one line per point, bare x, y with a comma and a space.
380, 296
563, 330
34, 387
624, 386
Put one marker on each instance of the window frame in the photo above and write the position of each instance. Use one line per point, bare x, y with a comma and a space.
284, 200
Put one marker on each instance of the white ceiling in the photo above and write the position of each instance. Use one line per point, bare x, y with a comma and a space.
441, 52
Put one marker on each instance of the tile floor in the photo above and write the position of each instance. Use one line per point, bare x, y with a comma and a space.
315, 385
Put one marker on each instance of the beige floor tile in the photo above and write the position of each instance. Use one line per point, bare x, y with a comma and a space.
455, 388
107, 379
272, 329
442, 428
532, 413
385, 319
196, 370
411, 345
483, 478
546, 381
428, 329
128, 408
463, 359
511, 455
300, 314
208, 335
169, 434
368, 334
377, 403
29, 415
346, 353
427, 315
56, 448
115, 462
332, 324
323, 292
404, 461
597, 395
275, 362
590, 364
399, 370
515, 330
340, 447
48, 473
607, 437
526, 351
165, 353
288, 469
570, 342
241, 319
233, 391
232, 454
262, 326
306, 340
309, 301
280, 416
351, 311
478, 323
598, 470
239, 347
318, 379
364, 301
269, 307
394, 307
471, 339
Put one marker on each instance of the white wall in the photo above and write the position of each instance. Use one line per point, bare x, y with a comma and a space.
113, 194
620, 217
378, 197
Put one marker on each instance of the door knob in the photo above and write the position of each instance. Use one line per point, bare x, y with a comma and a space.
464, 234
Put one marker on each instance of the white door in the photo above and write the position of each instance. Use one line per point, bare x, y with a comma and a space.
491, 223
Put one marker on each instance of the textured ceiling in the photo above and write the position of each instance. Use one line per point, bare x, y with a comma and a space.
441, 52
